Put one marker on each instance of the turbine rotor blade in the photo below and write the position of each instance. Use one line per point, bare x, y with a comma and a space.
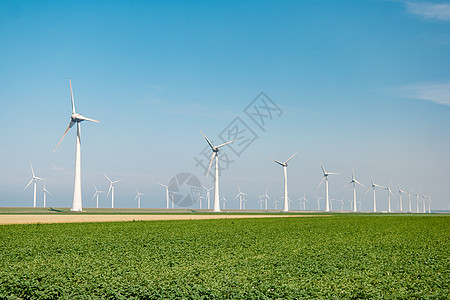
323, 169
110, 187
291, 157
71, 96
65, 132
220, 146
87, 119
323, 178
28, 184
32, 171
210, 163
108, 178
209, 143
278, 162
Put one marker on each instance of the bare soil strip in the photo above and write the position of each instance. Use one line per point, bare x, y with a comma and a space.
33, 219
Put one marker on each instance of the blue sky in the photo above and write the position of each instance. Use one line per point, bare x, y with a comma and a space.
361, 84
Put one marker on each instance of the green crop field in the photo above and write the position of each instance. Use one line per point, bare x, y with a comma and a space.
343, 256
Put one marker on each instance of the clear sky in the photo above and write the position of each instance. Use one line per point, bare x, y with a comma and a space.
361, 84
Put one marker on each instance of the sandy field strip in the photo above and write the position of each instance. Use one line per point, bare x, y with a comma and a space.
42, 218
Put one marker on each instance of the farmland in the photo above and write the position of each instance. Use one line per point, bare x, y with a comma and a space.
343, 256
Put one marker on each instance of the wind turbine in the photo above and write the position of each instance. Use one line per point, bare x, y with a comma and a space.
260, 202
275, 203
76, 118
429, 204
33, 179
215, 150
417, 202
266, 196
318, 202
302, 200
224, 200
111, 189
44, 190
354, 182
409, 196
97, 192
423, 203
373, 187
400, 192
207, 194
325, 177
138, 197
241, 196
284, 165
388, 189
167, 193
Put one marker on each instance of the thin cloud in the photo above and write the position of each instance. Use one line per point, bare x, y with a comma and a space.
434, 92
429, 10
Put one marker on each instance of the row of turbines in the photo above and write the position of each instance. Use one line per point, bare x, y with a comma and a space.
77, 118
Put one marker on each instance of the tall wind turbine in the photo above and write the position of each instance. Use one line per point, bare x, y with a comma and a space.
33, 179
325, 177
400, 192
167, 193
45, 192
409, 196
215, 150
389, 192
284, 165
97, 192
354, 182
373, 187
76, 118
111, 189
138, 197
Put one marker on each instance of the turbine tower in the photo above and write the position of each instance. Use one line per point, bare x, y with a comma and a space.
111, 189
97, 192
325, 177
138, 197
33, 179
373, 187
354, 182
44, 190
284, 165
215, 150
409, 196
76, 118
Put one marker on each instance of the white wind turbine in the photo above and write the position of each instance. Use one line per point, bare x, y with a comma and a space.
167, 193
111, 189
45, 192
208, 197
389, 192
354, 182
138, 197
286, 197
417, 202
400, 192
76, 118
373, 187
318, 202
260, 202
275, 203
429, 204
266, 196
224, 201
33, 180
325, 177
241, 196
97, 192
409, 196
215, 150
423, 202
303, 201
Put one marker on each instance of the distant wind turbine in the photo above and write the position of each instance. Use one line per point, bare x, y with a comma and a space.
241, 196
224, 201
318, 202
260, 202
76, 118
400, 192
325, 177
284, 165
417, 202
275, 203
303, 201
167, 193
45, 192
208, 197
373, 187
33, 180
97, 192
265, 196
409, 196
389, 192
215, 150
354, 182
138, 197
111, 189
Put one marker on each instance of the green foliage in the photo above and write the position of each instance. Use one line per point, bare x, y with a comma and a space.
345, 256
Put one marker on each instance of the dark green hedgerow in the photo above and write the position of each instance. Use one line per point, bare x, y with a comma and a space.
349, 256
